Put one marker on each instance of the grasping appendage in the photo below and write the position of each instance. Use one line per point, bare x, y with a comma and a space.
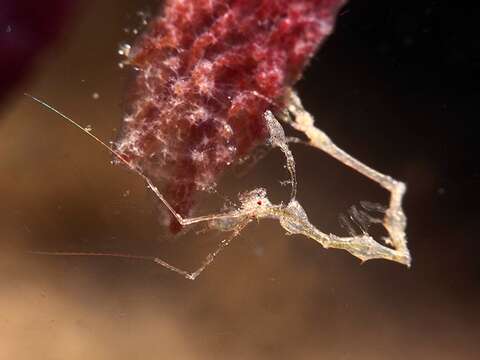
395, 220
255, 205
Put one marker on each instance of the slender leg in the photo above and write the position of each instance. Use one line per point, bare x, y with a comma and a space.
194, 220
394, 220
189, 275
210, 257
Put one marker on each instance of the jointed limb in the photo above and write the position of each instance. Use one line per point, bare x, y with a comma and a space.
395, 220
210, 257
295, 221
189, 275
278, 139
188, 221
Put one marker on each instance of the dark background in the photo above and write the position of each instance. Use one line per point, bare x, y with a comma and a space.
396, 86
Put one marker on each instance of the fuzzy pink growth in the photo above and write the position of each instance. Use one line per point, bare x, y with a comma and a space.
207, 71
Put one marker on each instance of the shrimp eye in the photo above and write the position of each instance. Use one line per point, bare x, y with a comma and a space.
259, 202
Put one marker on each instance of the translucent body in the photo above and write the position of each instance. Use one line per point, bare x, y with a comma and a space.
255, 205
211, 76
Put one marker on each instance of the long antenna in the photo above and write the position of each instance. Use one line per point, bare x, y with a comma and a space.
112, 151
86, 131
119, 157
67, 253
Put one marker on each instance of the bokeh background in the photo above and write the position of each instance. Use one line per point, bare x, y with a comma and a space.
396, 86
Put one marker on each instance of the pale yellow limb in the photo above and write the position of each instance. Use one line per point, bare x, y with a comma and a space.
394, 220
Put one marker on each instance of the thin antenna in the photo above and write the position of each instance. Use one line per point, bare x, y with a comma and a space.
66, 253
119, 156
73, 122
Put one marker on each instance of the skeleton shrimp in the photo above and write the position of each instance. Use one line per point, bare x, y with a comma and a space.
255, 205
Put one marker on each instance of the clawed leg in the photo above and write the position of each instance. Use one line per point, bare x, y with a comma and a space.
394, 220
278, 139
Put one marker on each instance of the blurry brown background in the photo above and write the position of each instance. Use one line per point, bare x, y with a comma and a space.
395, 86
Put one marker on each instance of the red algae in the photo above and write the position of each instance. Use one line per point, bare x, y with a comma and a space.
207, 70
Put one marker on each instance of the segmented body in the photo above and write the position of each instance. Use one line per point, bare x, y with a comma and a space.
207, 72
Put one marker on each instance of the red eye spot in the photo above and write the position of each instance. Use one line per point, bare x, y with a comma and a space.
259, 203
